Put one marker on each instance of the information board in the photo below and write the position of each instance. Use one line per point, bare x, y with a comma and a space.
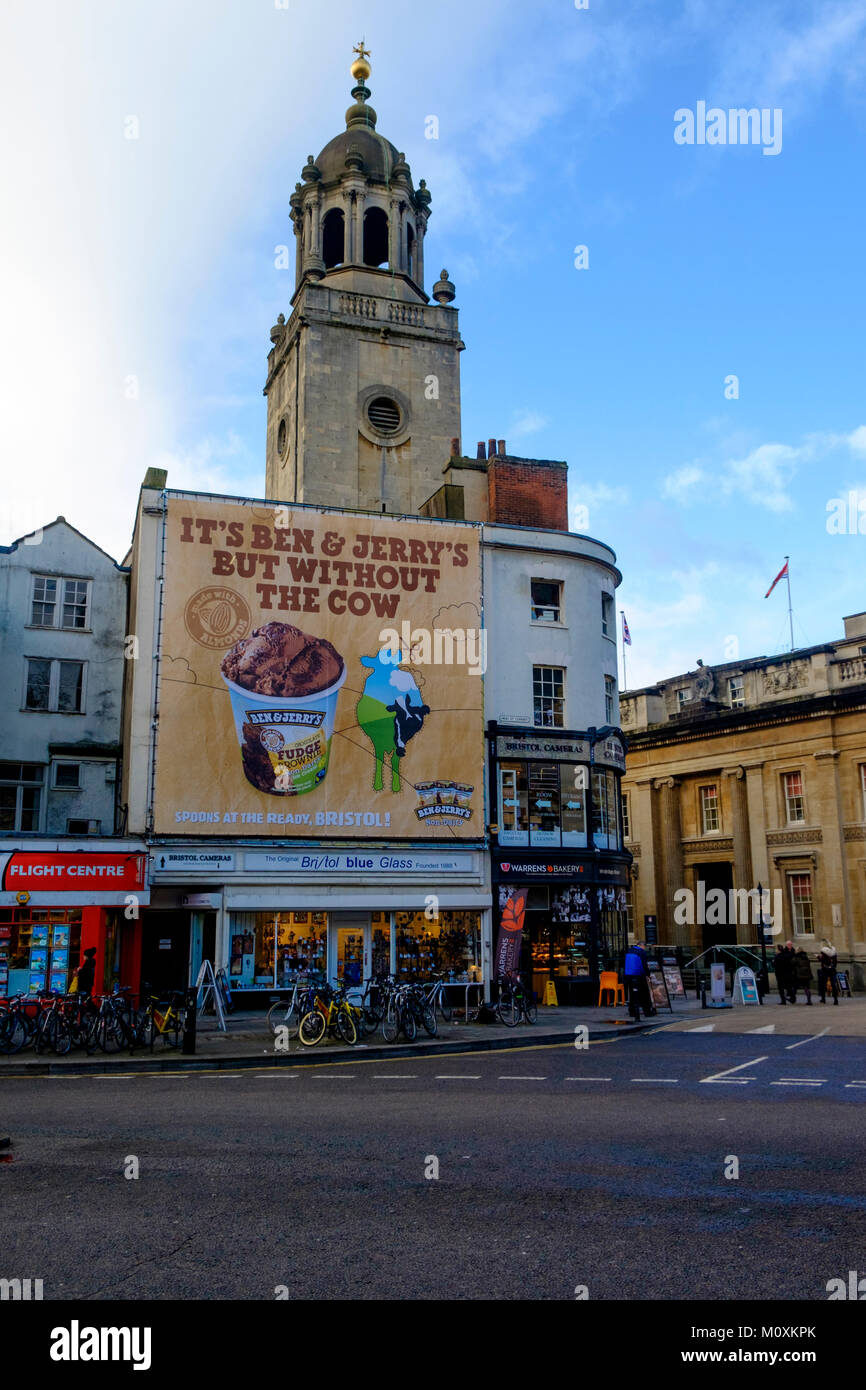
673, 977
658, 986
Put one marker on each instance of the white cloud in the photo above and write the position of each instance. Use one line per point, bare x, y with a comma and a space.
527, 422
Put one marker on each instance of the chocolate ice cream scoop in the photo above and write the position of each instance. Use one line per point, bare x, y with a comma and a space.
280, 660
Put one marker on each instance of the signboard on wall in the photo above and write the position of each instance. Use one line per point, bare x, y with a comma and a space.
74, 878
320, 675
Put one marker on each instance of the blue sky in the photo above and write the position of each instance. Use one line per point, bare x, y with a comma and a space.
153, 259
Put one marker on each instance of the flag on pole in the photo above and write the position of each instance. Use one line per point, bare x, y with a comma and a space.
781, 575
626, 635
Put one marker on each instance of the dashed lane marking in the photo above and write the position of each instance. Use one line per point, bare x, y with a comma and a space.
770, 1028
394, 1076
522, 1078
704, 1028
799, 1081
722, 1077
599, 1078
661, 1080
452, 1076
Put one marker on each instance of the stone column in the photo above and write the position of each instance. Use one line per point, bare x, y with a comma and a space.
313, 261
835, 852
394, 257
742, 847
642, 837
421, 232
299, 248
672, 854
757, 822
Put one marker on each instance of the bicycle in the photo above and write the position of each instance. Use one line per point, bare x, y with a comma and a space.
288, 1013
331, 1015
514, 1003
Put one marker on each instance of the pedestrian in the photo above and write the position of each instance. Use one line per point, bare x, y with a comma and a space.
783, 968
635, 971
827, 966
803, 973
86, 973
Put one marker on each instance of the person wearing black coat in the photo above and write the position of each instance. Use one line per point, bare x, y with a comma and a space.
783, 968
803, 973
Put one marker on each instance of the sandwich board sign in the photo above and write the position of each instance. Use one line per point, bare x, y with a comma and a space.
658, 986
745, 986
673, 977
717, 999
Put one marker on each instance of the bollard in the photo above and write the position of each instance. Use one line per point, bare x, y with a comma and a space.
188, 1045
703, 993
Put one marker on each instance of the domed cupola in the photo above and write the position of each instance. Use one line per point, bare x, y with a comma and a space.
357, 206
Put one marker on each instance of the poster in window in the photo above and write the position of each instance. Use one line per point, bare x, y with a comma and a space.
40, 936
570, 905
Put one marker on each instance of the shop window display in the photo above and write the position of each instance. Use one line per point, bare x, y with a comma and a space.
39, 947
451, 942
267, 949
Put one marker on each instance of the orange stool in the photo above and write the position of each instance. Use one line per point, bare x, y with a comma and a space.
609, 984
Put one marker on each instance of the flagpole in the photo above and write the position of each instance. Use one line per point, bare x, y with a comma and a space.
790, 609
622, 627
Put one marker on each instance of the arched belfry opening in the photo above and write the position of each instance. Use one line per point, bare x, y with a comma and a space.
410, 250
375, 237
334, 238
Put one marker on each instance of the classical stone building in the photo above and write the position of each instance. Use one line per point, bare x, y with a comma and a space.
752, 772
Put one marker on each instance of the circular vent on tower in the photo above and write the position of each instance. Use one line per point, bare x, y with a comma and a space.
384, 415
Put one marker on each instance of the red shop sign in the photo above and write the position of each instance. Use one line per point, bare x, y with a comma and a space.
73, 873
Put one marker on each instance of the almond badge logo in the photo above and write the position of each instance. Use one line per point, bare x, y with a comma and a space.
217, 617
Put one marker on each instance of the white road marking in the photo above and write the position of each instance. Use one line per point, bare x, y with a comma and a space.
394, 1076
522, 1078
705, 1028
452, 1076
602, 1078
791, 1081
721, 1076
805, 1040
269, 1075
770, 1028
666, 1080
849, 1084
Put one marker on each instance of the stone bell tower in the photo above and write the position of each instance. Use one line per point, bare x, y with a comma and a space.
363, 380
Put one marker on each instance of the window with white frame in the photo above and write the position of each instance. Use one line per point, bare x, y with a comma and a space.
736, 692
546, 601
84, 827
59, 602
608, 616
20, 796
609, 700
709, 798
795, 805
802, 915
548, 696
67, 776
683, 697
626, 831
54, 686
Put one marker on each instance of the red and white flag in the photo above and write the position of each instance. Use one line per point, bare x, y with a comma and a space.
781, 575
626, 635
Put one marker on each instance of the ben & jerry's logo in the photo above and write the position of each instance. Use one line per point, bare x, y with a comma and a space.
217, 617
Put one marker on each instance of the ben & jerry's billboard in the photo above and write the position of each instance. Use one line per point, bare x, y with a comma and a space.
320, 674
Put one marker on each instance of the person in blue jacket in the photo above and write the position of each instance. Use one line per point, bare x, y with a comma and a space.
636, 983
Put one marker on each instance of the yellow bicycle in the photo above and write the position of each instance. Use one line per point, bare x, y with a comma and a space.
331, 1016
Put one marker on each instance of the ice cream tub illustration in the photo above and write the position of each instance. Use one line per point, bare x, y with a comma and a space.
284, 687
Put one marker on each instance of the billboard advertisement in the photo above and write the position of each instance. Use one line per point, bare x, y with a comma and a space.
320, 674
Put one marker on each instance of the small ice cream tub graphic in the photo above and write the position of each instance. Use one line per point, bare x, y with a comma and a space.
284, 687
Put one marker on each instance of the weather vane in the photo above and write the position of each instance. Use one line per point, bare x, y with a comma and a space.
361, 51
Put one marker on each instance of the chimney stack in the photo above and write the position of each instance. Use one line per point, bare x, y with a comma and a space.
481, 453
491, 448
455, 448
502, 448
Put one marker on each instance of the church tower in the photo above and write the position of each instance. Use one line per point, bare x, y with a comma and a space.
363, 381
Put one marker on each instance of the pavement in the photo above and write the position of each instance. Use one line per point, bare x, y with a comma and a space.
666, 1165
247, 1041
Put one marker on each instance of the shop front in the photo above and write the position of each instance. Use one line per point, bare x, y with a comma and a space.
55, 903
560, 873
348, 915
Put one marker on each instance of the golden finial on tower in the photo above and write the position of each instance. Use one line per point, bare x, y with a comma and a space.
360, 69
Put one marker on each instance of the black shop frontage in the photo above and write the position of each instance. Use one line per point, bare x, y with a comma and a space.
560, 873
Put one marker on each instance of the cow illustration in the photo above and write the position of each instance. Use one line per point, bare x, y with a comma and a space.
388, 713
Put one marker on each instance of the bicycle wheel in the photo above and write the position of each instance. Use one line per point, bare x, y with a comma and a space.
408, 1024
346, 1026
312, 1028
45, 1032
428, 1020
13, 1034
283, 1015
508, 1011
171, 1033
444, 1006
108, 1034
530, 1009
391, 1023
61, 1040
